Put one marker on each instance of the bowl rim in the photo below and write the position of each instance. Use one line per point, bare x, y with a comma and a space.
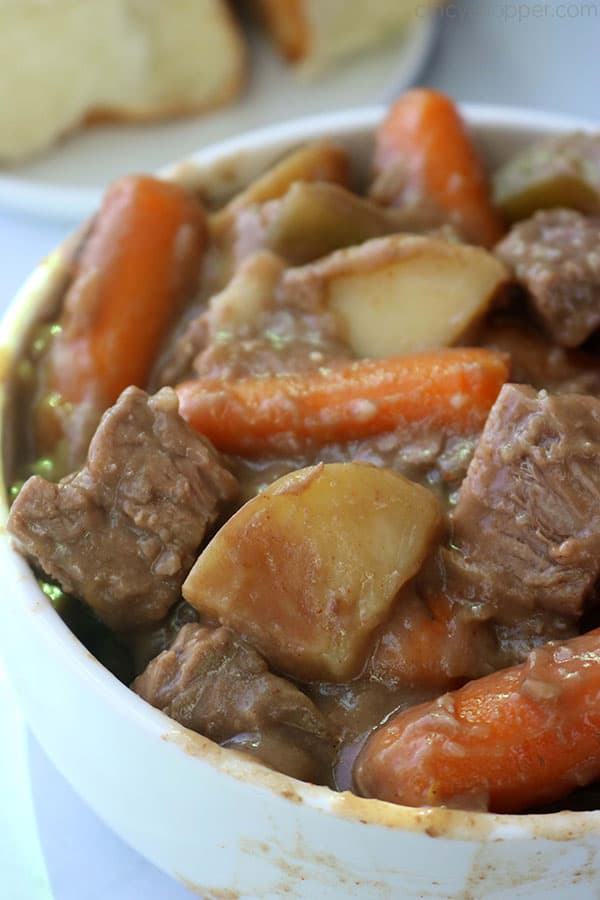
450, 823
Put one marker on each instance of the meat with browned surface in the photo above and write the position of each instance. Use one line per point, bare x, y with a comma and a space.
255, 325
528, 519
146, 643
556, 254
124, 531
214, 683
538, 361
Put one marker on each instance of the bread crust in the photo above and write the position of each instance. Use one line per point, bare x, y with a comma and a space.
167, 96
229, 90
105, 115
289, 26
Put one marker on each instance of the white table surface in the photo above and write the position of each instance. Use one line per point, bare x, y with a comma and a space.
544, 55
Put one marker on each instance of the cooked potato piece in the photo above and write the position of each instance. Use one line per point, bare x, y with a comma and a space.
319, 161
404, 293
309, 568
316, 218
554, 172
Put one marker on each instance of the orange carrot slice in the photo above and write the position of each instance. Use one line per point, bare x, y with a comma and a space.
424, 137
428, 644
140, 260
450, 388
512, 740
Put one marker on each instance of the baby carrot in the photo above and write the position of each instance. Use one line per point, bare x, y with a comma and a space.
515, 739
428, 644
140, 260
424, 140
449, 388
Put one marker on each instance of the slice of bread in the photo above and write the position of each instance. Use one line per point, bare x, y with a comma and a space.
66, 62
318, 33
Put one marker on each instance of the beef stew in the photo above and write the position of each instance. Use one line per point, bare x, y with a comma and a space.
392, 513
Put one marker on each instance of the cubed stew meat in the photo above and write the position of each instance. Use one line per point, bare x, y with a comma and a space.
317, 473
123, 531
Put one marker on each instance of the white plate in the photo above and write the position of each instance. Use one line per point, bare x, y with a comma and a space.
65, 184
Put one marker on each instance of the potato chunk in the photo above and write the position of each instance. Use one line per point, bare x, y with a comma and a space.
316, 218
405, 293
309, 568
318, 161
555, 172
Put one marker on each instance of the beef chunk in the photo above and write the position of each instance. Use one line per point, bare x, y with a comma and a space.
124, 531
146, 643
214, 683
175, 364
528, 518
256, 325
536, 360
556, 254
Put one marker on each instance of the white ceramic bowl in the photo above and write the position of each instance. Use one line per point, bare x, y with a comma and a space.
224, 825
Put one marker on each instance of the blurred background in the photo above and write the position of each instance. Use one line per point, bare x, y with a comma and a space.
541, 55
